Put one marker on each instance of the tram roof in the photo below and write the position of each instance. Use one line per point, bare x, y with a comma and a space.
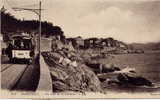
21, 37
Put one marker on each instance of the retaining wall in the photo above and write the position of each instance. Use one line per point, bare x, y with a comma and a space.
45, 81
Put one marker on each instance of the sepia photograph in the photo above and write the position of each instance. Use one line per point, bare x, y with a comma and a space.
101, 48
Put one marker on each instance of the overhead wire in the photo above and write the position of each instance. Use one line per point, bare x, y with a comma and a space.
9, 3
16, 7
28, 6
12, 4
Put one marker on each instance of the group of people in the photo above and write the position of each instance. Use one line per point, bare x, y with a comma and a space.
22, 44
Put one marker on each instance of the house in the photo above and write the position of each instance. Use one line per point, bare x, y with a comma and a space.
92, 42
79, 41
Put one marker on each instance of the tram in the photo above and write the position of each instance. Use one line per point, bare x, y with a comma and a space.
20, 47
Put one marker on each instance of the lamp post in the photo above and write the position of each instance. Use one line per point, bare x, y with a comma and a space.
38, 12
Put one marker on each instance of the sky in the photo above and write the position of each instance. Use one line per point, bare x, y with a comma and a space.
126, 20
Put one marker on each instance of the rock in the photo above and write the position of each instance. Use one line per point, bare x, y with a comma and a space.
125, 79
58, 74
59, 86
80, 78
101, 68
112, 68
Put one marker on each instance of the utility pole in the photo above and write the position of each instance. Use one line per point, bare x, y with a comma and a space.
40, 28
38, 12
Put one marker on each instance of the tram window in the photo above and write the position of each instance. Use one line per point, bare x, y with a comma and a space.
22, 44
27, 44
17, 44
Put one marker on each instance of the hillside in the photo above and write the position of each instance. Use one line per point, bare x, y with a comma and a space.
79, 42
147, 46
12, 25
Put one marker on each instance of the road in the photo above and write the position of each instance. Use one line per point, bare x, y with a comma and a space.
19, 76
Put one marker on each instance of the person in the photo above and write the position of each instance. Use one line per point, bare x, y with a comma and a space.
18, 43
9, 50
54, 44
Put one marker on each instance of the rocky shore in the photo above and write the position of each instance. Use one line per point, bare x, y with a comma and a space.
74, 71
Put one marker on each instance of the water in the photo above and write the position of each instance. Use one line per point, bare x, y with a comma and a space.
147, 64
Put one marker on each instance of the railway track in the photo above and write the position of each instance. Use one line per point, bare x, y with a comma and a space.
10, 74
24, 77
29, 79
6, 67
18, 77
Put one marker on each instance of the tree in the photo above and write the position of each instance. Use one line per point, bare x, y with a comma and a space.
12, 25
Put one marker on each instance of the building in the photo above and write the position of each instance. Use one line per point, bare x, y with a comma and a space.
79, 41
